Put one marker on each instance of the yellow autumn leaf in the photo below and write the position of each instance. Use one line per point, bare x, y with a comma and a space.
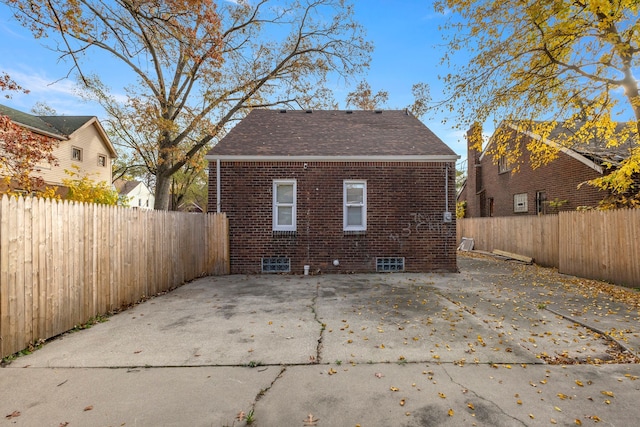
562, 396
607, 393
394, 389
519, 402
450, 412
442, 395
578, 422
553, 421
531, 416
470, 406
579, 383
557, 409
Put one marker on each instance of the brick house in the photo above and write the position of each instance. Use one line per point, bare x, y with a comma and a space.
491, 189
338, 191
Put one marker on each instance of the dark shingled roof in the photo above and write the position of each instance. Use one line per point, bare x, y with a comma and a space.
60, 126
273, 133
35, 123
597, 150
67, 124
125, 187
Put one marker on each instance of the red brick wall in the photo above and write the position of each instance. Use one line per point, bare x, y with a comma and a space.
558, 179
405, 206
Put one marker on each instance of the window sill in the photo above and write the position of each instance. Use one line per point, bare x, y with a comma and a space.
283, 233
354, 232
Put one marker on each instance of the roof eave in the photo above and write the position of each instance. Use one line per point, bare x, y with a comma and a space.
569, 152
309, 158
40, 131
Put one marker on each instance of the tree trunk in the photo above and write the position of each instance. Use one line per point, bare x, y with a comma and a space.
163, 185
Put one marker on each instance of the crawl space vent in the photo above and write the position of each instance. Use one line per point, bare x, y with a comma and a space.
276, 265
387, 265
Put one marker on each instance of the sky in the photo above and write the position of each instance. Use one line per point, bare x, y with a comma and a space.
406, 36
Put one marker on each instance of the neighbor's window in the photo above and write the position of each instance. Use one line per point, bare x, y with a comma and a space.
355, 206
102, 160
503, 164
76, 154
520, 203
284, 205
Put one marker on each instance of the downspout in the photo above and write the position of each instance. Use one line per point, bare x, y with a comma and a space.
218, 207
446, 217
446, 189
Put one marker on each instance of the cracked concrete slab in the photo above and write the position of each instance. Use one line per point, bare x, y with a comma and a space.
129, 397
375, 350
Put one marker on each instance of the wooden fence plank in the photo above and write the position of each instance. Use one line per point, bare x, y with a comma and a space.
6, 346
601, 245
62, 263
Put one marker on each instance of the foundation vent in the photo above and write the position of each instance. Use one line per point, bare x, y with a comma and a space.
389, 265
276, 265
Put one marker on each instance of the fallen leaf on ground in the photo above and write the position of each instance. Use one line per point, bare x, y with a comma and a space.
310, 421
88, 408
13, 415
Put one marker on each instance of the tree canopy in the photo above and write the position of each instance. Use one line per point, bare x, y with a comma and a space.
546, 62
22, 152
198, 64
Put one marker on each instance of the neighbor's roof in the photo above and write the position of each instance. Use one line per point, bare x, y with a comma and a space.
309, 135
125, 187
33, 123
594, 150
59, 127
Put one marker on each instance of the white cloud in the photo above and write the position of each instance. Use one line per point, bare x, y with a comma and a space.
58, 92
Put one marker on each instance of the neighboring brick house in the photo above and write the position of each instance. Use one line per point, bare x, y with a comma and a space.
81, 142
491, 189
338, 191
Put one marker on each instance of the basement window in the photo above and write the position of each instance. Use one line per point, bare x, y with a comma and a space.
276, 265
389, 265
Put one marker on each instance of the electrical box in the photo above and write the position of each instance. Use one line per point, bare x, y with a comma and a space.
447, 217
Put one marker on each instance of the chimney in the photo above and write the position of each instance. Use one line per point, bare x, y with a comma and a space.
474, 170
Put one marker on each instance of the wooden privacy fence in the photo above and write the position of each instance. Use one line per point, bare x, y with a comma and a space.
63, 263
603, 245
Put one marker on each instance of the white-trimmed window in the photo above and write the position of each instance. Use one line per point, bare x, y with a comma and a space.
284, 205
504, 165
76, 154
355, 205
520, 202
